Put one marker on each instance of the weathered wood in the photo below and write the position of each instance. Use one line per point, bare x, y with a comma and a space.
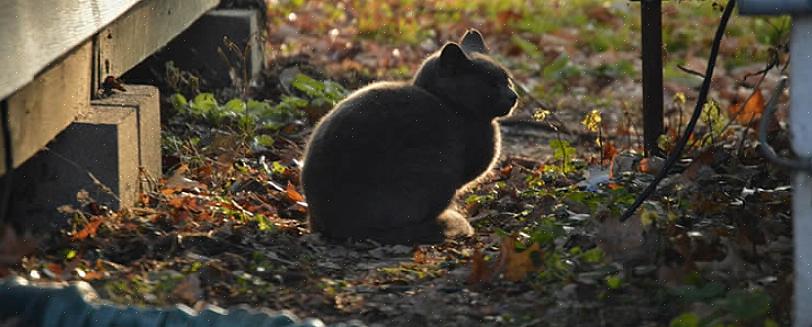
36, 33
48, 53
148, 26
43, 108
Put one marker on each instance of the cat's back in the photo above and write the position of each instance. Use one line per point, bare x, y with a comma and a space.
385, 99
381, 114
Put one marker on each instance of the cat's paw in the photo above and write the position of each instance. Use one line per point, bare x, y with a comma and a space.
454, 224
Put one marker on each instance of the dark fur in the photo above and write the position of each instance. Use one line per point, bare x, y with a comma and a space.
387, 161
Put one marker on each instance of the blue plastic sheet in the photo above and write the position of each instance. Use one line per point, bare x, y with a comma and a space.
77, 305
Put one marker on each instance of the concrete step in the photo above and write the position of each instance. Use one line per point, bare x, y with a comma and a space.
103, 153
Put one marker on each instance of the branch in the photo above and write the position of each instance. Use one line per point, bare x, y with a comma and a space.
689, 129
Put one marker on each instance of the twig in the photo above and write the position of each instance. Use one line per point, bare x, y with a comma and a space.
104, 188
767, 150
559, 125
9, 160
690, 71
703, 95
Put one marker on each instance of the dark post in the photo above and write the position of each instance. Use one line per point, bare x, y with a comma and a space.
652, 50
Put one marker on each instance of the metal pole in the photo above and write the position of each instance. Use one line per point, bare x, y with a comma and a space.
652, 51
801, 128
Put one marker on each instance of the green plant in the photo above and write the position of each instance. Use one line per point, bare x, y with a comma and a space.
563, 152
248, 116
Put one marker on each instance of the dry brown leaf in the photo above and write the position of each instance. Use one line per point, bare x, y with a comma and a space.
89, 230
12, 248
179, 182
292, 194
518, 264
189, 289
751, 111
420, 257
93, 275
481, 272
621, 241
609, 151
176, 202
700, 165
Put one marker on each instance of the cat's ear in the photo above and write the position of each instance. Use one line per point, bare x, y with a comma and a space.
473, 42
453, 59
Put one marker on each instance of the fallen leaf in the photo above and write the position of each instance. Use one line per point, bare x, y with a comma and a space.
480, 271
700, 166
751, 111
506, 170
89, 230
420, 257
621, 241
292, 194
179, 182
93, 275
518, 264
189, 289
609, 151
12, 248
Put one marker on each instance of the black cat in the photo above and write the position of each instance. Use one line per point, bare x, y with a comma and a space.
387, 161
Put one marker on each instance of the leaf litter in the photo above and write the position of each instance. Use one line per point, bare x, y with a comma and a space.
227, 226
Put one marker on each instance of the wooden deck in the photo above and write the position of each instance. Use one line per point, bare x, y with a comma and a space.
55, 52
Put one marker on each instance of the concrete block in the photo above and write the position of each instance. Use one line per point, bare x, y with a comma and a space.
145, 100
103, 143
196, 49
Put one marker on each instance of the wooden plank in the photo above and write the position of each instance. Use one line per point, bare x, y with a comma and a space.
43, 108
147, 27
36, 33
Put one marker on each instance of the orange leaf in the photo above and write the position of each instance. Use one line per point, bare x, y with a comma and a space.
90, 229
176, 202
506, 170
55, 268
751, 111
93, 275
609, 151
293, 195
518, 264
420, 257
168, 191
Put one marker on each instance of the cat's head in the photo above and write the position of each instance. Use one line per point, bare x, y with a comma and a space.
464, 75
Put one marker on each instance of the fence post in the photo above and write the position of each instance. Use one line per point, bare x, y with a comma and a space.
652, 53
801, 128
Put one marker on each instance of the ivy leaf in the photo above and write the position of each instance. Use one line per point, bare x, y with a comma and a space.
178, 101
236, 106
204, 103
